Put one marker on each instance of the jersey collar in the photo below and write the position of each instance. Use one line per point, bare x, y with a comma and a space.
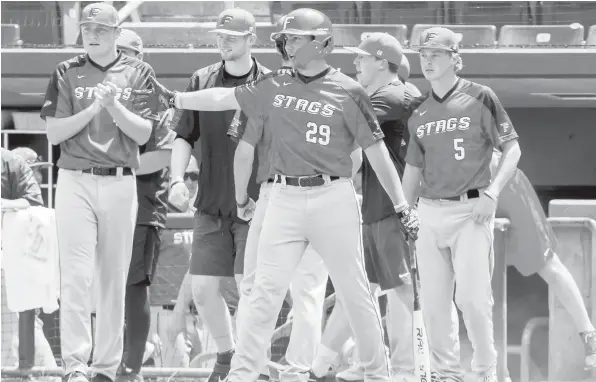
307, 80
108, 66
448, 94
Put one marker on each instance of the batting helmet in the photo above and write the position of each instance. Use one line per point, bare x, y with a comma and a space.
305, 22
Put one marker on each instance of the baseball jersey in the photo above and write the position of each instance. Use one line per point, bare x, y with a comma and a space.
253, 133
101, 143
315, 122
452, 139
391, 105
216, 180
152, 189
529, 231
18, 181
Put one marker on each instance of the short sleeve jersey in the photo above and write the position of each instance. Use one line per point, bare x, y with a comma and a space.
101, 143
18, 181
216, 179
152, 189
315, 122
452, 139
391, 105
253, 133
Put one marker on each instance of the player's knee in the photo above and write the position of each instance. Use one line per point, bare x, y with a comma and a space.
473, 299
204, 288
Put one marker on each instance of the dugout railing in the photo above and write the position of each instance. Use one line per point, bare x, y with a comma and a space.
25, 366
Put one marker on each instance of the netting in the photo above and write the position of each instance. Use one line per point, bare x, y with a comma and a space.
185, 24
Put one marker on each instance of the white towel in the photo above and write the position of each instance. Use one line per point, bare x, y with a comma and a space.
30, 259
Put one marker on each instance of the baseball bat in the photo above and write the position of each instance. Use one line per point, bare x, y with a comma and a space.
129, 8
420, 339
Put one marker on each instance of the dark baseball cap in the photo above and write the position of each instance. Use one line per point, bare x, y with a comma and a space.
380, 45
30, 157
100, 13
438, 38
130, 40
235, 22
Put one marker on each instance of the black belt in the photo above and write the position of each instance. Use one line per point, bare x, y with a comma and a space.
107, 171
472, 194
305, 181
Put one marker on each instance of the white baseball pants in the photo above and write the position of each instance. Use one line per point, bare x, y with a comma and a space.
308, 292
327, 217
95, 220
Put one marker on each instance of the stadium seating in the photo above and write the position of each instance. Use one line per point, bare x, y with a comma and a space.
541, 35
591, 39
11, 34
353, 34
471, 35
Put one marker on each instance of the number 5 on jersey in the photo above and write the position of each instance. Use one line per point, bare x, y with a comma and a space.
317, 133
460, 152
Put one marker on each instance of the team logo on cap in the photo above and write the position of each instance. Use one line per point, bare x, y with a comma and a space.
226, 19
379, 52
287, 21
430, 36
94, 12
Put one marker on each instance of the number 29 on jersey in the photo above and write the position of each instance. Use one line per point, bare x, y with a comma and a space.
318, 134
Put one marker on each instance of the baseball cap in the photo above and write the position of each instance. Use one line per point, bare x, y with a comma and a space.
30, 157
380, 45
438, 38
100, 13
193, 166
235, 22
130, 40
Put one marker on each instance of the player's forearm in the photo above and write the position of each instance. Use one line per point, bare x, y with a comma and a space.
154, 161
16, 204
243, 162
60, 129
213, 99
380, 161
411, 183
507, 166
180, 158
356, 156
131, 124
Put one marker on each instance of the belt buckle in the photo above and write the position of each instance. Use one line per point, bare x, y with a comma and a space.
310, 181
96, 171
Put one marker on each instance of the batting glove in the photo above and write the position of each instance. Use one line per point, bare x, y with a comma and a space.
409, 220
247, 210
149, 103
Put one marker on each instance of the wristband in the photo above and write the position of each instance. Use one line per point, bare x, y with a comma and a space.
490, 195
174, 102
243, 204
176, 181
401, 207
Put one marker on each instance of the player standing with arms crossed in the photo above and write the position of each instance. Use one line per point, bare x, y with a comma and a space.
152, 195
310, 282
314, 131
452, 135
219, 235
88, 111
531, 238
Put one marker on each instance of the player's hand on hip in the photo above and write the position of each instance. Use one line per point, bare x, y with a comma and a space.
484, 209
156, 98
246, 210
409, 219
179, 196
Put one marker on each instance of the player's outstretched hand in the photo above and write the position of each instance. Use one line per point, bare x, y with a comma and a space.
179, 196
410, 222
246, 212
156, 98
484, 210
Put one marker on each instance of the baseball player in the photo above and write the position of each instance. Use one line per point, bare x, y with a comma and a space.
219, 235
34, 161
309, 284
317, 118
89, 113
152, 195
452, 134
531, 245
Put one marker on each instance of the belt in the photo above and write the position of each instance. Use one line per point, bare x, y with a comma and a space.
471, 194
305, 181
107, 171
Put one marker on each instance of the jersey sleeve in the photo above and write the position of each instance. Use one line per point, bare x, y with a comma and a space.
58, 102
254, 131
415, 153
24, 185
361, 119
495, 121
162, 137
251, 96
185, 123
142, 82
388, 106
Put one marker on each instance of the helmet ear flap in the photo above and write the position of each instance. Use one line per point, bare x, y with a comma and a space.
280, 45
327, 44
